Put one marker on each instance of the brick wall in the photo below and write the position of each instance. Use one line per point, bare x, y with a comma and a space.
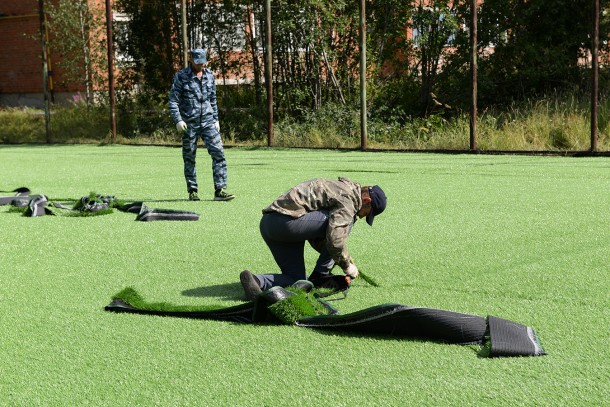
18, 7
20, 56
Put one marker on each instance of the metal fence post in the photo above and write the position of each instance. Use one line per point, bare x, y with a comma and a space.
185, 51
269, 74
45, 71
595, 75
473, 70
110, 70
363, 131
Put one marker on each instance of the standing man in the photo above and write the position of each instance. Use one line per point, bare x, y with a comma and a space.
193, 107
322, 212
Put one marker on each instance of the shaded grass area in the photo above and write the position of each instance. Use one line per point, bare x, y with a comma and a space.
133, 298
521, 238
297, 305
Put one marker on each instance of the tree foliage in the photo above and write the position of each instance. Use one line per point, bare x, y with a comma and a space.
527, 48
77, 38
148, 42
538, 46
315, 52
418, 51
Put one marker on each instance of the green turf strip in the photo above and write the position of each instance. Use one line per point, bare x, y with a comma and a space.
295, 307
18, 209
299, 305
86, 213
368, 279
133, 298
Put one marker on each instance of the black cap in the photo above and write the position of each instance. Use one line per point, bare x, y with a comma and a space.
378, 202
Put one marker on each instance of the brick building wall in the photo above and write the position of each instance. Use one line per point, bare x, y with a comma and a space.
21, 57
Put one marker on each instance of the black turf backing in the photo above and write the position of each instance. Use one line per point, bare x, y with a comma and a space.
401, 320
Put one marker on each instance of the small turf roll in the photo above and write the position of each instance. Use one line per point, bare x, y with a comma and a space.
296, 307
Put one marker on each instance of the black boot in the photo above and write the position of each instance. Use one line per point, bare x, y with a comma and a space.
330, 281
250, 285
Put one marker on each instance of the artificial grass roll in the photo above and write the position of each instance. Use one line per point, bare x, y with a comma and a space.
133, 298
295, 307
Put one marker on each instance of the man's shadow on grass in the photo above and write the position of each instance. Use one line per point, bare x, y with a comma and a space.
229, 291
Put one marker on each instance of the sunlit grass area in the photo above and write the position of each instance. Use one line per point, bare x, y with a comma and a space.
519, 237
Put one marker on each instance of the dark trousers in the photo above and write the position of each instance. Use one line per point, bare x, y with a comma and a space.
286, 237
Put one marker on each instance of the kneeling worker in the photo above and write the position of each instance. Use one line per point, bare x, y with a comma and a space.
322, 212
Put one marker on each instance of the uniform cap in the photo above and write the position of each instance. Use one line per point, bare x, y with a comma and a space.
199, 56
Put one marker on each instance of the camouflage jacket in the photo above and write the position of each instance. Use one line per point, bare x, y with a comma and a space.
341, 198
193, 100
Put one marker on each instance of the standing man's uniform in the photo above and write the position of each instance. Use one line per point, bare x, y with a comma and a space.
194, 109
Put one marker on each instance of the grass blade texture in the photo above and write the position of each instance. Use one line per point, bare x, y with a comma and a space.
524, 238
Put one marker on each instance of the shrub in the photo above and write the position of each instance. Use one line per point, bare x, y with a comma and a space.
144, 116
72, 124
77, 124
558, 122
22, 125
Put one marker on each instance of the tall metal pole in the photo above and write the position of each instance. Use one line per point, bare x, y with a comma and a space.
363, 135
45, 72
110, 70
595, 74
49, 65
268, 74
473, 70
185, 41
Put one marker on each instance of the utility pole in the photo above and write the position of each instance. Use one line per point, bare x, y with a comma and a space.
473, 69
110, 70
363, 132
45, 72
185, 40
269, 74
595, 75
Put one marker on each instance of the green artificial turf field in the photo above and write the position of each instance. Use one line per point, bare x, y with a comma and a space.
518, 237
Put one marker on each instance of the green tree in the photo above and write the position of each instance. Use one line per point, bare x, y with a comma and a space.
410, 41
434, 26
537, 46
390, 50
315, 52
531, 48
77, 36
220, 28
149, 40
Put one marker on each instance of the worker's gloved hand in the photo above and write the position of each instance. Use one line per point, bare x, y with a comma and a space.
181, 126
217, 126
351, 270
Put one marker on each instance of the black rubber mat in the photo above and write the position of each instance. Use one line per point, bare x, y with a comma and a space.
148, 214
508, 338
499, 337
401, 320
